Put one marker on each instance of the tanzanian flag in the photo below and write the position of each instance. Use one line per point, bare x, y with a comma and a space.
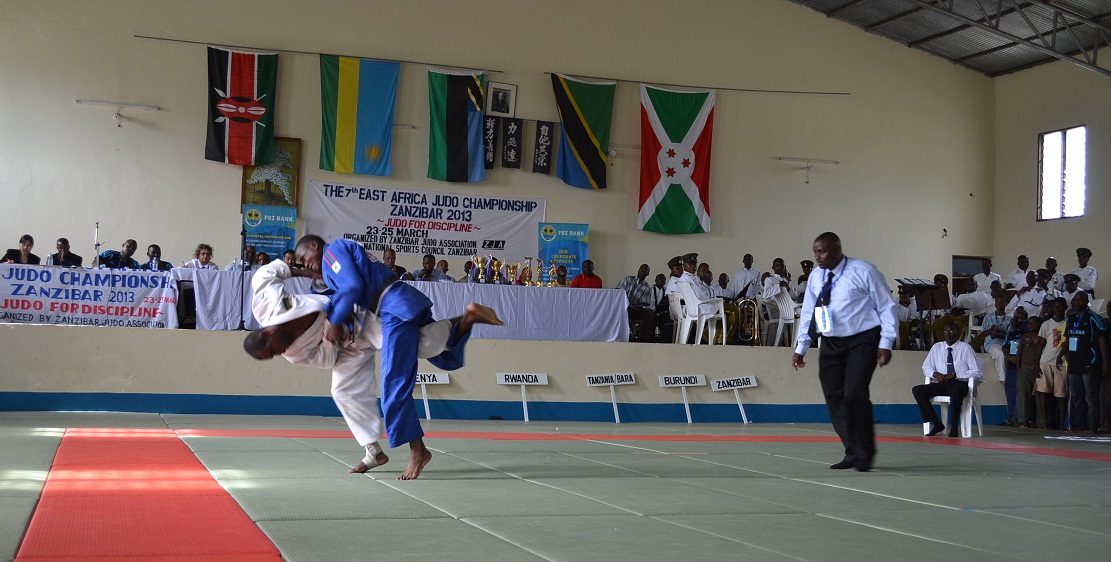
455, 146
585, 109
356, 110
241, 107
676, 129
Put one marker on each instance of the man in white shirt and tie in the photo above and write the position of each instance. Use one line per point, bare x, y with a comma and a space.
848, 301
949, 364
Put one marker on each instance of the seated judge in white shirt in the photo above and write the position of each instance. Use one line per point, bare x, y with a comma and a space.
1085, 272
949, 364
202, 258
985, 277
1017, 278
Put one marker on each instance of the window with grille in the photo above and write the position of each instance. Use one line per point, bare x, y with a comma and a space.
1061, 173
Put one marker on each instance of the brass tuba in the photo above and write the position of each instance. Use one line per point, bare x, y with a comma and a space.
749, 329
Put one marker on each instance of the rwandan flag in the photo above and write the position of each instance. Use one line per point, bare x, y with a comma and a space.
356, 107
455, 147
241, 107
585, 109
676, 130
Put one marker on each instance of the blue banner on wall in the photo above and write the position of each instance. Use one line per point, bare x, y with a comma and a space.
565, 244
270, 229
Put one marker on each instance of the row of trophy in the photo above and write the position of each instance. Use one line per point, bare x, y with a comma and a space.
499, 271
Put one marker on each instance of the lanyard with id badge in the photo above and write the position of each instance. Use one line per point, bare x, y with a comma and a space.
823, 318
1074, 341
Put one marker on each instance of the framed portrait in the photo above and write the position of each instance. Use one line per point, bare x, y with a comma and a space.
501, 99
275, 184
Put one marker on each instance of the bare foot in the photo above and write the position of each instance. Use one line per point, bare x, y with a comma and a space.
478, 314
418, 459
363, 466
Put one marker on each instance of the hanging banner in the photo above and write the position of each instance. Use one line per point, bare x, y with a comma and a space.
424, 222
511, 132
31, 294
542, 151
270, 229
489, 140
565, 244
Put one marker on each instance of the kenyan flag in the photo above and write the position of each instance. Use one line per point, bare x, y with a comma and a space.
675, 133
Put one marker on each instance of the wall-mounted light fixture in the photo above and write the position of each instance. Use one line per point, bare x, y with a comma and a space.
809, 167
120, 106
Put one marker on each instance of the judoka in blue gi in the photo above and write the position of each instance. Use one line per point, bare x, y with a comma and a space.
355, 279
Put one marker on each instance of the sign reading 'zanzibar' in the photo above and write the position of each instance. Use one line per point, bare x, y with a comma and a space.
424, 222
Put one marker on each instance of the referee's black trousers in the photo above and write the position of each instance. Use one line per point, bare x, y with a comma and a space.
845, 367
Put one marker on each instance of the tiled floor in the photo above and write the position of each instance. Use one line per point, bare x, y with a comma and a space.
499, 490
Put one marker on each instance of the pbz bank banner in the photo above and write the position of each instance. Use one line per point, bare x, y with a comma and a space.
424, 222
31, 294
566, 244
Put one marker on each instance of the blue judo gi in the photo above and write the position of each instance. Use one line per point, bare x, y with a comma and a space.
403, 310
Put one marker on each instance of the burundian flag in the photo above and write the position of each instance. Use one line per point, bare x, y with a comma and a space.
356, 113
585, 109
455, 106
675, 133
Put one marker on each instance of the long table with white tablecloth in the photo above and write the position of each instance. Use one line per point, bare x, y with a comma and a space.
530, 313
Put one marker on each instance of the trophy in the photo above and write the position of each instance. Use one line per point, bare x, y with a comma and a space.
512, 270
539, 271
528, 266
496, 265
552, 275
480, 264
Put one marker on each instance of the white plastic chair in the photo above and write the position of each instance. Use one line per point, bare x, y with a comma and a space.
693, 309
785, 323
971, 403
683, 324
1096, 305
974, 328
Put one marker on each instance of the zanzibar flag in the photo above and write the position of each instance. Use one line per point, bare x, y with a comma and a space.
356, 110
585, 109
455, 146
241, 107
675, 133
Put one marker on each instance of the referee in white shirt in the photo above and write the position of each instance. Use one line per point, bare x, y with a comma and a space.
849, 302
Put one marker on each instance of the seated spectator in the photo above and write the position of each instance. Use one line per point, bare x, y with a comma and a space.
262, 259
985, 277
63, 256
1032, 295
1056, 278
23, 254
663, 310
443, 267
722, 288
389, 257
202, 258
1053, 382
154, 260
428, 271
642, 311
587, 279
1017, 278
1072, 286
777, 281
949, 364
907, 314
1085, 272
119, 260
250, 255
675, 264
1027, 360
561, 277
800, 284
289, 258
995, 326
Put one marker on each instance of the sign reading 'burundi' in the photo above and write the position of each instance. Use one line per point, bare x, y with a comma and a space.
424, 222
676, 129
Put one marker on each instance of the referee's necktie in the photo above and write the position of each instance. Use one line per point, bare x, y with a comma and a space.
826, 288
949, 370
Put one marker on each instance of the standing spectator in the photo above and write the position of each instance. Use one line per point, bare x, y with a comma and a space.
202, 258
1027, 360
1085, 272
851, 306
1053, 381
985, 277
121, 259
587, 279
63, 256
746, 282
1086, 351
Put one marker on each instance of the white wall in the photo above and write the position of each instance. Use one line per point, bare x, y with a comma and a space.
1039, 100
915, 137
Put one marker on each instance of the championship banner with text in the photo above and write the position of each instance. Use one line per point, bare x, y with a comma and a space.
565, 244
424, 222
270, 229
31, 294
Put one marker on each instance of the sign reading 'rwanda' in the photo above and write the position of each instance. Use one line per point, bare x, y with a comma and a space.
424, 222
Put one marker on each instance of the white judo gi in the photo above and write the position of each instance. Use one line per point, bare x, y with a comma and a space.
355, 386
